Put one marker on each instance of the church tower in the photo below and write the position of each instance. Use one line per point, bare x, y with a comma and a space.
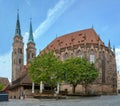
31, 50
17, 52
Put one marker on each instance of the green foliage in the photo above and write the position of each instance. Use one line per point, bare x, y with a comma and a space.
72, 70
89, 74
1, 86
46, 68
49, 69
78, 70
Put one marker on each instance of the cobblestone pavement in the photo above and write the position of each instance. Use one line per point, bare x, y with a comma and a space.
79, 101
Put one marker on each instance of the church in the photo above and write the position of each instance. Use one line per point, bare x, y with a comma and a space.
84, 43
21, 83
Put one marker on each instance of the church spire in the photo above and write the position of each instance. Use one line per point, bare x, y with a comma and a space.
31, 39
18, 30
114, 49
109, 45
30, 50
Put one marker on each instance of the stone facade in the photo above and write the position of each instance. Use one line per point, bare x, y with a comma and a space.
31, 52
86, 43
17, 57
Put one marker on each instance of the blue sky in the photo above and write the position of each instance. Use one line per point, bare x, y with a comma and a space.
51, 18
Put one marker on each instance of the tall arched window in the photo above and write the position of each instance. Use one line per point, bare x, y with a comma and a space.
66, 55
32, 55
79, 54
20, 61
92, 57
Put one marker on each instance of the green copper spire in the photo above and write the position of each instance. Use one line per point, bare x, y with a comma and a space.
31, 39
18, 30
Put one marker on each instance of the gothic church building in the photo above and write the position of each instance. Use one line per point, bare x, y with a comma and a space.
84, 43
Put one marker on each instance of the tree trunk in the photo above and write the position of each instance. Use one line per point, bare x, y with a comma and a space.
85, 89
73, 90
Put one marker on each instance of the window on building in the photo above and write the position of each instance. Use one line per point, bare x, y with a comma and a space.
66, 56
28, 56
92, 57
20, 50
32, 55
20, 61
79, 54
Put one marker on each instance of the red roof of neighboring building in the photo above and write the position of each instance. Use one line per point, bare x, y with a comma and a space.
24, 77
88, 36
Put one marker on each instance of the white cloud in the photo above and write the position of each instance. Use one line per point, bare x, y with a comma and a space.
25, 39
117, 51
52, 15
5, 65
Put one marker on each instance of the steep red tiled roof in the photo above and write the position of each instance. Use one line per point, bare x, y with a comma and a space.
88, 36
26, 80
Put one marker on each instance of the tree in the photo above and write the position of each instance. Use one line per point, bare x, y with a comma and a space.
46, 68
72, 71
89, 74
1, 86
79, 71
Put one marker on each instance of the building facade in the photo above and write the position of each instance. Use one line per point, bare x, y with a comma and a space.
86, 43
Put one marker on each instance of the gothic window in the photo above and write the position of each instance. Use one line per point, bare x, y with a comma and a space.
28, 56
20, 50
65, 56
20, 61
14, 51
32, 55
92, 57
79, 54
103, 68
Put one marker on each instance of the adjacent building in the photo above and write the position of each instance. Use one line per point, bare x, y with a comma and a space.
118, 82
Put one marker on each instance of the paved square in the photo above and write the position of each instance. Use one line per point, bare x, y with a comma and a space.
113, 100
